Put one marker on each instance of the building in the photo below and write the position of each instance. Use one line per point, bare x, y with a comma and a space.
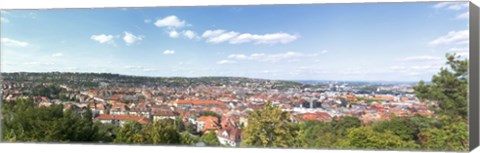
207, 123
119, 120
119, 109
230, 136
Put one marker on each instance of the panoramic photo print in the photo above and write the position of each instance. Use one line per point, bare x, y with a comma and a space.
371, 76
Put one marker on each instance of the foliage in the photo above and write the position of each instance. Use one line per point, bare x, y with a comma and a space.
449, 90
367, 138
316, 134
345, 123
210, 139
161, 132
452, 137
188, 139
399, 126
270, 127
209, 113
130, 132
24, 122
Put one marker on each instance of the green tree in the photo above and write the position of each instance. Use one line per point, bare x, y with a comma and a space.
366, 138
162, 132
342, 125
452, 137
316, 134
188, 139
399, 126
270, 127
130, 132
24, 122
449, 90
210, 139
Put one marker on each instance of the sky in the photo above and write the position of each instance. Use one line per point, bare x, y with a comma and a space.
342, 42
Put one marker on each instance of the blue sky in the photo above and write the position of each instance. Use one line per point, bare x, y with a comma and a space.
345, 42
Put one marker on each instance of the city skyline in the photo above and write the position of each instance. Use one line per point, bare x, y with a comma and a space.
386, 41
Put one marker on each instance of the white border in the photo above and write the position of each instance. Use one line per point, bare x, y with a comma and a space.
83, 148
46, 4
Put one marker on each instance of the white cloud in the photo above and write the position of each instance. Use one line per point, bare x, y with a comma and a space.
218, 36
453, 37
170, 22
262, 57
274, 57
168, 52
458, 49
422, 58
147, 20
273, 38
451, 5
4, 20
133, 67
441, 4
57, 55
226, 62
416, 68
463, 54
173, 34
212, 33
130, 38
189, 34
39, 63
148, 69
458, 6
13, 43
463, 15
322, 52
102, 38
238, 56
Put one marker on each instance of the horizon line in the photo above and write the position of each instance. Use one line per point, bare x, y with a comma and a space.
292, 80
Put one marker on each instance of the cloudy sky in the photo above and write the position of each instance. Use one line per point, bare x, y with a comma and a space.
362, 42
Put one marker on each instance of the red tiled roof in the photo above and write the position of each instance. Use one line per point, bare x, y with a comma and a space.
199, 102
122, 107
211, 122
320, 116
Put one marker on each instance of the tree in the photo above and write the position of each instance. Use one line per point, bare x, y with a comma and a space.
162, 132
342, 125
449, 89
187, 138
130, 132
316, 134
158, 132
270, 127
210, 139
399, 126
106, 132
366, 138
452, 137
24, 122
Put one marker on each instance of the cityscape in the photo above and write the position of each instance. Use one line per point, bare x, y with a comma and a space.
310, 77
116, 99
